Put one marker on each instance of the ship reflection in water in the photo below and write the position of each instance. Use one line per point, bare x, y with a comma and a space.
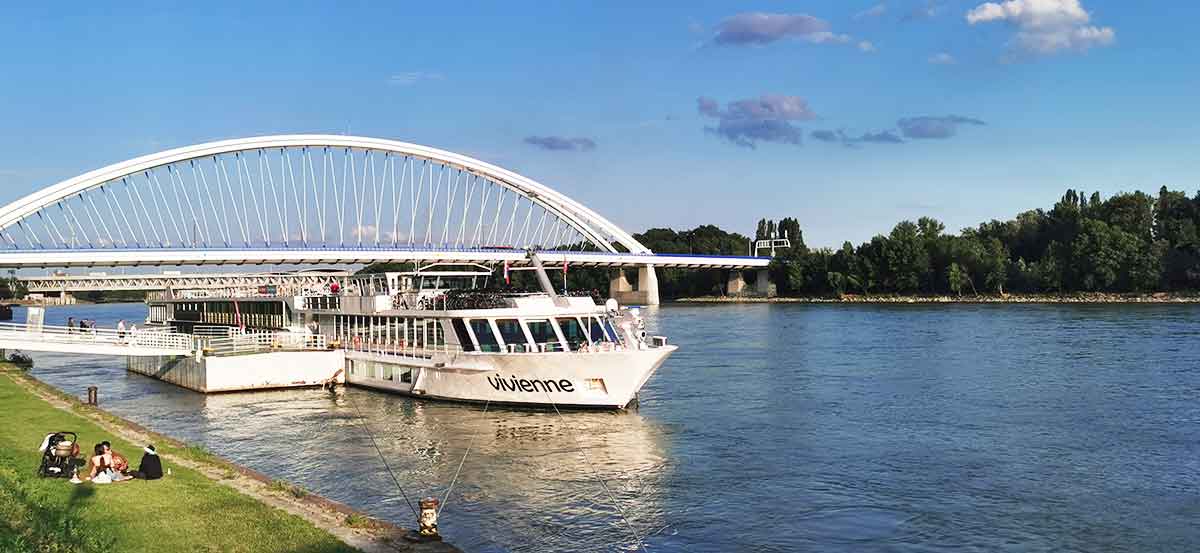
526, 485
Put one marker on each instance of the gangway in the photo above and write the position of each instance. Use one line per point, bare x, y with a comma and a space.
146, 342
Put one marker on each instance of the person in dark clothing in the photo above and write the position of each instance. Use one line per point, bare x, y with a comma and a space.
151, 467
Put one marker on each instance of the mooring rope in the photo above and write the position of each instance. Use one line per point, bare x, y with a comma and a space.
620, 510
363, 420
470, 445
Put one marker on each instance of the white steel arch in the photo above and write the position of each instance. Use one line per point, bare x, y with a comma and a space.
90, 206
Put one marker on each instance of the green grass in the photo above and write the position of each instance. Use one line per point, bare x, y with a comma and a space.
356, 520
182, 512
283, 487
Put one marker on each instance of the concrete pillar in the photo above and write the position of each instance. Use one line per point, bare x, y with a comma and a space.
763, 285
619, 285
736, 285
620, 289
648, 285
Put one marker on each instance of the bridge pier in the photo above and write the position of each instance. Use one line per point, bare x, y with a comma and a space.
736, 283
763, 285
646, 293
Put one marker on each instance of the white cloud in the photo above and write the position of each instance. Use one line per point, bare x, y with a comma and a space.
828, 37
364, 232
1045, 26
942, 58
413, 77
873, 11
866, 46
1077, 38
1031, 13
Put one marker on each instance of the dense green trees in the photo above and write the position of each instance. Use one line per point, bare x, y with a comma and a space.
706, 239
11, 288
1127, 243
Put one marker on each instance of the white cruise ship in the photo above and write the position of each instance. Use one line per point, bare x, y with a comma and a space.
434, 332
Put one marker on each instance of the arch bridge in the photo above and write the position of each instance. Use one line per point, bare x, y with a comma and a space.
321, 199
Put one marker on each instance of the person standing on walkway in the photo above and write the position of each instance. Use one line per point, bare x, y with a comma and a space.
70, 325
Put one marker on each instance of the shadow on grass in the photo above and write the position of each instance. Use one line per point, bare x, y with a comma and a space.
81, 496
30, 510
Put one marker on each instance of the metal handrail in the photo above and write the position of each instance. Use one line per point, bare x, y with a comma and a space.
263, 341
399, 350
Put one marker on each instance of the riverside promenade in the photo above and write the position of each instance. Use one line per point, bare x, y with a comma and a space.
205, 504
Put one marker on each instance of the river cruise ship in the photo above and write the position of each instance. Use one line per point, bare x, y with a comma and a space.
438, 332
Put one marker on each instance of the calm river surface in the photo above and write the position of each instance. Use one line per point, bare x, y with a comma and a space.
774, 428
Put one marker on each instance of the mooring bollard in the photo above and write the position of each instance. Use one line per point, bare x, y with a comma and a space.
428, 522
93, 395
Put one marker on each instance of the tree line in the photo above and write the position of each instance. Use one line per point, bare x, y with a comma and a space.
1130, 242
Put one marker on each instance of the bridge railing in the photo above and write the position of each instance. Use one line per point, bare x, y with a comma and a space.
148, 338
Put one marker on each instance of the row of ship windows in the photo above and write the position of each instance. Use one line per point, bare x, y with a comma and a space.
550, 334
487, 335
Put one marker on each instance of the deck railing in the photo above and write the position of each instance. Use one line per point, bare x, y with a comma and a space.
257, 342
398, 350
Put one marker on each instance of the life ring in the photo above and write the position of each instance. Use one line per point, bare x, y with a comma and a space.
357, 341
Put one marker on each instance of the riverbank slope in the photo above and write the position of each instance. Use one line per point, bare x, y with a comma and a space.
206, 504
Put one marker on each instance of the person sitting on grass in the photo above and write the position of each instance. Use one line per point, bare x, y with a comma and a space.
105, 465
101, 463
151, 467
119, 463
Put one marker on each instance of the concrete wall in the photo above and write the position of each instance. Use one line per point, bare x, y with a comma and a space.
280, 369
180, 370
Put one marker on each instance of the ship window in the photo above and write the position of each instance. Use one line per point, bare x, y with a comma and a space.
596, 331
572, 331
612, 332
406, 377
510, 331
483, 333
543, 333
460, 330
434, 335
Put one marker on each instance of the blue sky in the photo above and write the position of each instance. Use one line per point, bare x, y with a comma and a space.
849, 115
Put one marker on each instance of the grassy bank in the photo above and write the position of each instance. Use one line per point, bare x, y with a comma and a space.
185, 511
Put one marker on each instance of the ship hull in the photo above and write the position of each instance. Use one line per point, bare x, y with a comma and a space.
595, 380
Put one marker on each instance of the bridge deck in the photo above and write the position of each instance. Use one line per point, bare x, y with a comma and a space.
115, 257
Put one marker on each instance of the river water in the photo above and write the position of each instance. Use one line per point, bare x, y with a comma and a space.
774, 428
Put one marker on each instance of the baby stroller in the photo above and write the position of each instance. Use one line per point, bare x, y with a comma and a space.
60, 455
